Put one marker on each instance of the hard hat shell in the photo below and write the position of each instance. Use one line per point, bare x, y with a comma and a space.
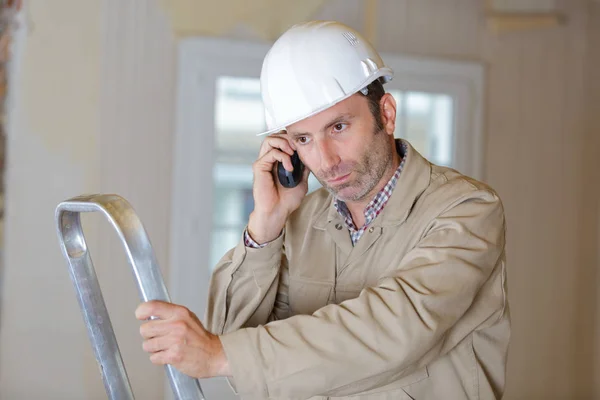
313, 66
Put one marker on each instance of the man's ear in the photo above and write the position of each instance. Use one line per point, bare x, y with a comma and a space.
387, 105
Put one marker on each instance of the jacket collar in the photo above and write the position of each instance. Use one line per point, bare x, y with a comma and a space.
413, 181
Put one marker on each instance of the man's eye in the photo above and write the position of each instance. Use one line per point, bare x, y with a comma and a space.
339, 127
302, 140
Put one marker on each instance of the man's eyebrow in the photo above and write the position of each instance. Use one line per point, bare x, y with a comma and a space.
335, 121
296, 134
340, 118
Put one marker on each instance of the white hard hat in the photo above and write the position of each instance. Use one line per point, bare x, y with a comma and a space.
313, 66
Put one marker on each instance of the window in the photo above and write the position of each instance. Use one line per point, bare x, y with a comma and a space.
426, 121
238, 117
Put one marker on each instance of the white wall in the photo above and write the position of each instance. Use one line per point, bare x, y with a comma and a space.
92, 111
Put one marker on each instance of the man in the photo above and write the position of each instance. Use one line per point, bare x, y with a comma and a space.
388, 283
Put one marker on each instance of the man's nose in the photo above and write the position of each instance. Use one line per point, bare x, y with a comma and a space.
329, 155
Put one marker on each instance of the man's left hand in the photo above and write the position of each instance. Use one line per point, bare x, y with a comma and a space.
178, 338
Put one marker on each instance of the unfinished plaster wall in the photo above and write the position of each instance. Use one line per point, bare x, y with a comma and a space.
52, 146
91, 112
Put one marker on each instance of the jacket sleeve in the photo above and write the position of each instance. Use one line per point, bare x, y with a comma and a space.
248, 288
389, 330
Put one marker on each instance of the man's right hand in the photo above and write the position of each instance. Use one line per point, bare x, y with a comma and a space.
272, 202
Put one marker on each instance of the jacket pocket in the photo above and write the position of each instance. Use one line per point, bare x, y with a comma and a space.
307, 296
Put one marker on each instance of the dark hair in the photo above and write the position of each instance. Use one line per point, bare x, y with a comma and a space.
374, 95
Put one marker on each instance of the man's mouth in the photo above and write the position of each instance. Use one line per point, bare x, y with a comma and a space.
339, 179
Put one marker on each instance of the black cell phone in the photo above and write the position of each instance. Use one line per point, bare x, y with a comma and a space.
290, 179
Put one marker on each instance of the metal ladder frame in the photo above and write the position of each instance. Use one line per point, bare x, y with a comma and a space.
83, 276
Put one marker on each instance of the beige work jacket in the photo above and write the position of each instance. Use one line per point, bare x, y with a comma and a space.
416, 310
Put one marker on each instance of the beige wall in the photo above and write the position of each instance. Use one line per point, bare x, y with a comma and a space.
92, 112
52, 142
90, 98
536, 136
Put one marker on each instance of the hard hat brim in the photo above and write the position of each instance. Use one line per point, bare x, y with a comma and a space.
386, 73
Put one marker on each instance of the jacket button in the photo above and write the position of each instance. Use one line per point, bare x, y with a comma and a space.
371, 229
338, 227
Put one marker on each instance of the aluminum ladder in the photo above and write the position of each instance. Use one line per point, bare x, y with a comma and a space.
83, 276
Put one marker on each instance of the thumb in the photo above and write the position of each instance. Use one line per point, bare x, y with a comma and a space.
154, 308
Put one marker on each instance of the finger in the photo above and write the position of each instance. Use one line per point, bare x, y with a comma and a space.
278, 141
266, 162
162, 310
163, 328
159, 358
161, 343
305, 174
154, 308
303, 186
154, 328
173, 355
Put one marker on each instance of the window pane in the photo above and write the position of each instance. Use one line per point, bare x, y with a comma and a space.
239, 117
426, 121
233, 195
233, 203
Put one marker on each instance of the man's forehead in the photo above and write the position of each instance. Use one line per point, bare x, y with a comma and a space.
347, 108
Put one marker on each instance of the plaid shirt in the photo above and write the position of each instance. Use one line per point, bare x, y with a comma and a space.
372, 210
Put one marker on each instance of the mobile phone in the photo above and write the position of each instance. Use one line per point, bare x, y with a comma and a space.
290, 179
